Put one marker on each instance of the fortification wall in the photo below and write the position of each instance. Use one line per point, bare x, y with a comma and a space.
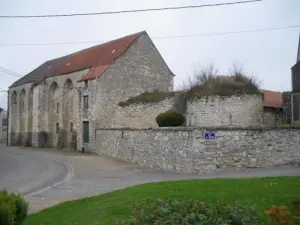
211, 111
233, 111
141, 115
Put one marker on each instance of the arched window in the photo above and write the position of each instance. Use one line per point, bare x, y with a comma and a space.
14, 102
22, 101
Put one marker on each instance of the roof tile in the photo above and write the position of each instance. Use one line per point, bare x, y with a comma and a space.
272, 98
100, 56
94, 72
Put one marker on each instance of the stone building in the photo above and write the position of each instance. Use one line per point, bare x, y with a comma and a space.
274, 113
61, 102
295, 94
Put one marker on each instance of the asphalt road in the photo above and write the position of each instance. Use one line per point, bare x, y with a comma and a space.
49, 176
26, 172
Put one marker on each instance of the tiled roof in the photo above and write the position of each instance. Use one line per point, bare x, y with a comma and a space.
94, 72
99, 58
272, 98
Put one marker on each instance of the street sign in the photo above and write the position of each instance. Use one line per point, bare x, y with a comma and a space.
209, 136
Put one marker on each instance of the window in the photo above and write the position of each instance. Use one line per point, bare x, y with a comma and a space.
85, 102
71, 127
14, 102
86, 83
57, 107
57, 127
14, 99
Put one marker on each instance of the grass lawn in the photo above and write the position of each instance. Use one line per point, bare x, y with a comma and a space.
107, 209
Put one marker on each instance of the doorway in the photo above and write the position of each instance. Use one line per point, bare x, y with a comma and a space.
86, 132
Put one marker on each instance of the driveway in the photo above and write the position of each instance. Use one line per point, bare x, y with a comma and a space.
91, 174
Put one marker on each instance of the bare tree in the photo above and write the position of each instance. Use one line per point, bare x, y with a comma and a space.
201, 76
237, 71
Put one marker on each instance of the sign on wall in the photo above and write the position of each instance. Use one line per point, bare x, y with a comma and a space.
210, 136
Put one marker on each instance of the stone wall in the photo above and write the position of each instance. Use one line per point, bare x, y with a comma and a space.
141, 115
186, 149
270, 118
273, 117
211, 111
233, 111
140, 69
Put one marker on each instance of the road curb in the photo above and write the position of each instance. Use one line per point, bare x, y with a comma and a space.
69, 175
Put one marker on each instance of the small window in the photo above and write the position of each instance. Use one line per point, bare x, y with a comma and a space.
85, 102
86, 83
71, 127
57, 107
57, 127
14, 99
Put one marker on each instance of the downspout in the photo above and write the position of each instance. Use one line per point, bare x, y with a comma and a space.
7, 118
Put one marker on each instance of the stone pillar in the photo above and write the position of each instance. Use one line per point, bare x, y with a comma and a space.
35, 117
78, 115
40, 117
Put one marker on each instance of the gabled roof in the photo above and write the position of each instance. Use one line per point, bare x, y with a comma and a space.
272, 99
98, 58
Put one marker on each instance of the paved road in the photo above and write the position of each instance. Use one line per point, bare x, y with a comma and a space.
26, 172
90, 175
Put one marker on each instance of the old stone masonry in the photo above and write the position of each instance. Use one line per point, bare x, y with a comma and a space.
74, 102
61, 102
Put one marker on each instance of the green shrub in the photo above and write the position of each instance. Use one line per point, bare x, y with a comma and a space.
13, 208
225, 86
170, 118
191, 212
147, 97
6, 213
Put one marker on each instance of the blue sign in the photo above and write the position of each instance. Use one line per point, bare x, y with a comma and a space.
209, 136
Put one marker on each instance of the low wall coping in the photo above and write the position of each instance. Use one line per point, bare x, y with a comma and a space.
199, 128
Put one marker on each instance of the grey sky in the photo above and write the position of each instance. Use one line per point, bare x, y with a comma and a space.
266, 55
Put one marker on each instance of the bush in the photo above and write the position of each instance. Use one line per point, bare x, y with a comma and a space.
225, 86
191, 212
13, 208
147, 97
206, 82
282, 216
170, 118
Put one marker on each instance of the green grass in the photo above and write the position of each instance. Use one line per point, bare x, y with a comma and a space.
107, 209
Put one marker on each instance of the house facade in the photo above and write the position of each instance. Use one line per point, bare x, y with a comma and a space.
62, 102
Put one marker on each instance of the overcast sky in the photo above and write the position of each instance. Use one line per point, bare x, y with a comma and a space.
266, 55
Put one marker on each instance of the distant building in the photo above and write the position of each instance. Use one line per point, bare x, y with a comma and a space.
273, 108
295, 94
